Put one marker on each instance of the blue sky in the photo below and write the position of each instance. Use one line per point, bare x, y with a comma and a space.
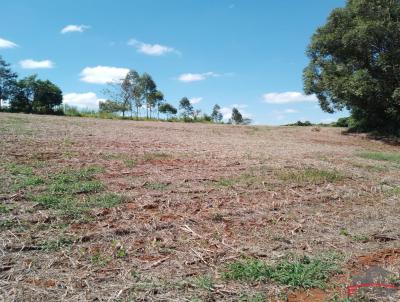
244, 53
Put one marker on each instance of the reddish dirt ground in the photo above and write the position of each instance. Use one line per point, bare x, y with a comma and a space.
195, 197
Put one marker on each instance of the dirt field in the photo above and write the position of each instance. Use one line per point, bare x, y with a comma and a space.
114, 210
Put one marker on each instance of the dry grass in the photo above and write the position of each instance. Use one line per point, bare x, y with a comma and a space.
102, 210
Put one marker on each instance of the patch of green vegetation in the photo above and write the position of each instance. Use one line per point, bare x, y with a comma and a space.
157, 186
121, 253
79, 187
156, 155
258, 297
70, 192
310, 175
381, 156
130, 163
108, 200
25, 182
204, 282
302, 272
395, 191
357, 237
337, 298
24, 170
361, 238
7, 224
4, 209
56, 245
99, 260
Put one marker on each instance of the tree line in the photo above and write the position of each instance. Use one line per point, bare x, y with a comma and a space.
129, 96
137, 93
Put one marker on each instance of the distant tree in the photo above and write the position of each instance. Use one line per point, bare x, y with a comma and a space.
155, 100
36, 96
47, 97
111, 106
167, 109
8, 82
197, 114
237, 117
134, 88
216, 114
126, 92
149, 89
354, 64
186, 107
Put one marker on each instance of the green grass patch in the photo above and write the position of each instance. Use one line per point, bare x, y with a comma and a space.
4, 209
258, 297
302, 272
204, 282
310, 175
109, 200
381, 156
155, 156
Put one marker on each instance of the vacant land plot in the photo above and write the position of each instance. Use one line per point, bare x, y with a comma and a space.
103, 210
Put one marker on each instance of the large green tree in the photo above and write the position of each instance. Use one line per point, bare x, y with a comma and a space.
8, 81
33, 95
355, 64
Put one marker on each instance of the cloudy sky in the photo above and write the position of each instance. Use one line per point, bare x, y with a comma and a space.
244, 53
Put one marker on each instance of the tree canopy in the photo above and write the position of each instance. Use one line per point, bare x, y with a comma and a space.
33, 95
216, 114
8, 81
354, 64
237, 117
186, 107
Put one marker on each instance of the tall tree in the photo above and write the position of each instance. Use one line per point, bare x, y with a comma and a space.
354, 64
155, 100
167, 109
186, 107
8, 81
237, 117
216, 114
149, 89
135, 90
121, 92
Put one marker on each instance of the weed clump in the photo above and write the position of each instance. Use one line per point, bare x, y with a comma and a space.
302, 272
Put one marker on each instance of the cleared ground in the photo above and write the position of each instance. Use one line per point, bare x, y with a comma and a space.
113, 210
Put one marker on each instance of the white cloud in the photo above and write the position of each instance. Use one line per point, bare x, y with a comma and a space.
7, 44
103, 74
194, 77
288, 97
289, 110
151, 49
227, 111
82, 100
74, 28
195, 100
32, 64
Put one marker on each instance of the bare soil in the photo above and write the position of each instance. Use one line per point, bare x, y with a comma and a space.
195, 197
